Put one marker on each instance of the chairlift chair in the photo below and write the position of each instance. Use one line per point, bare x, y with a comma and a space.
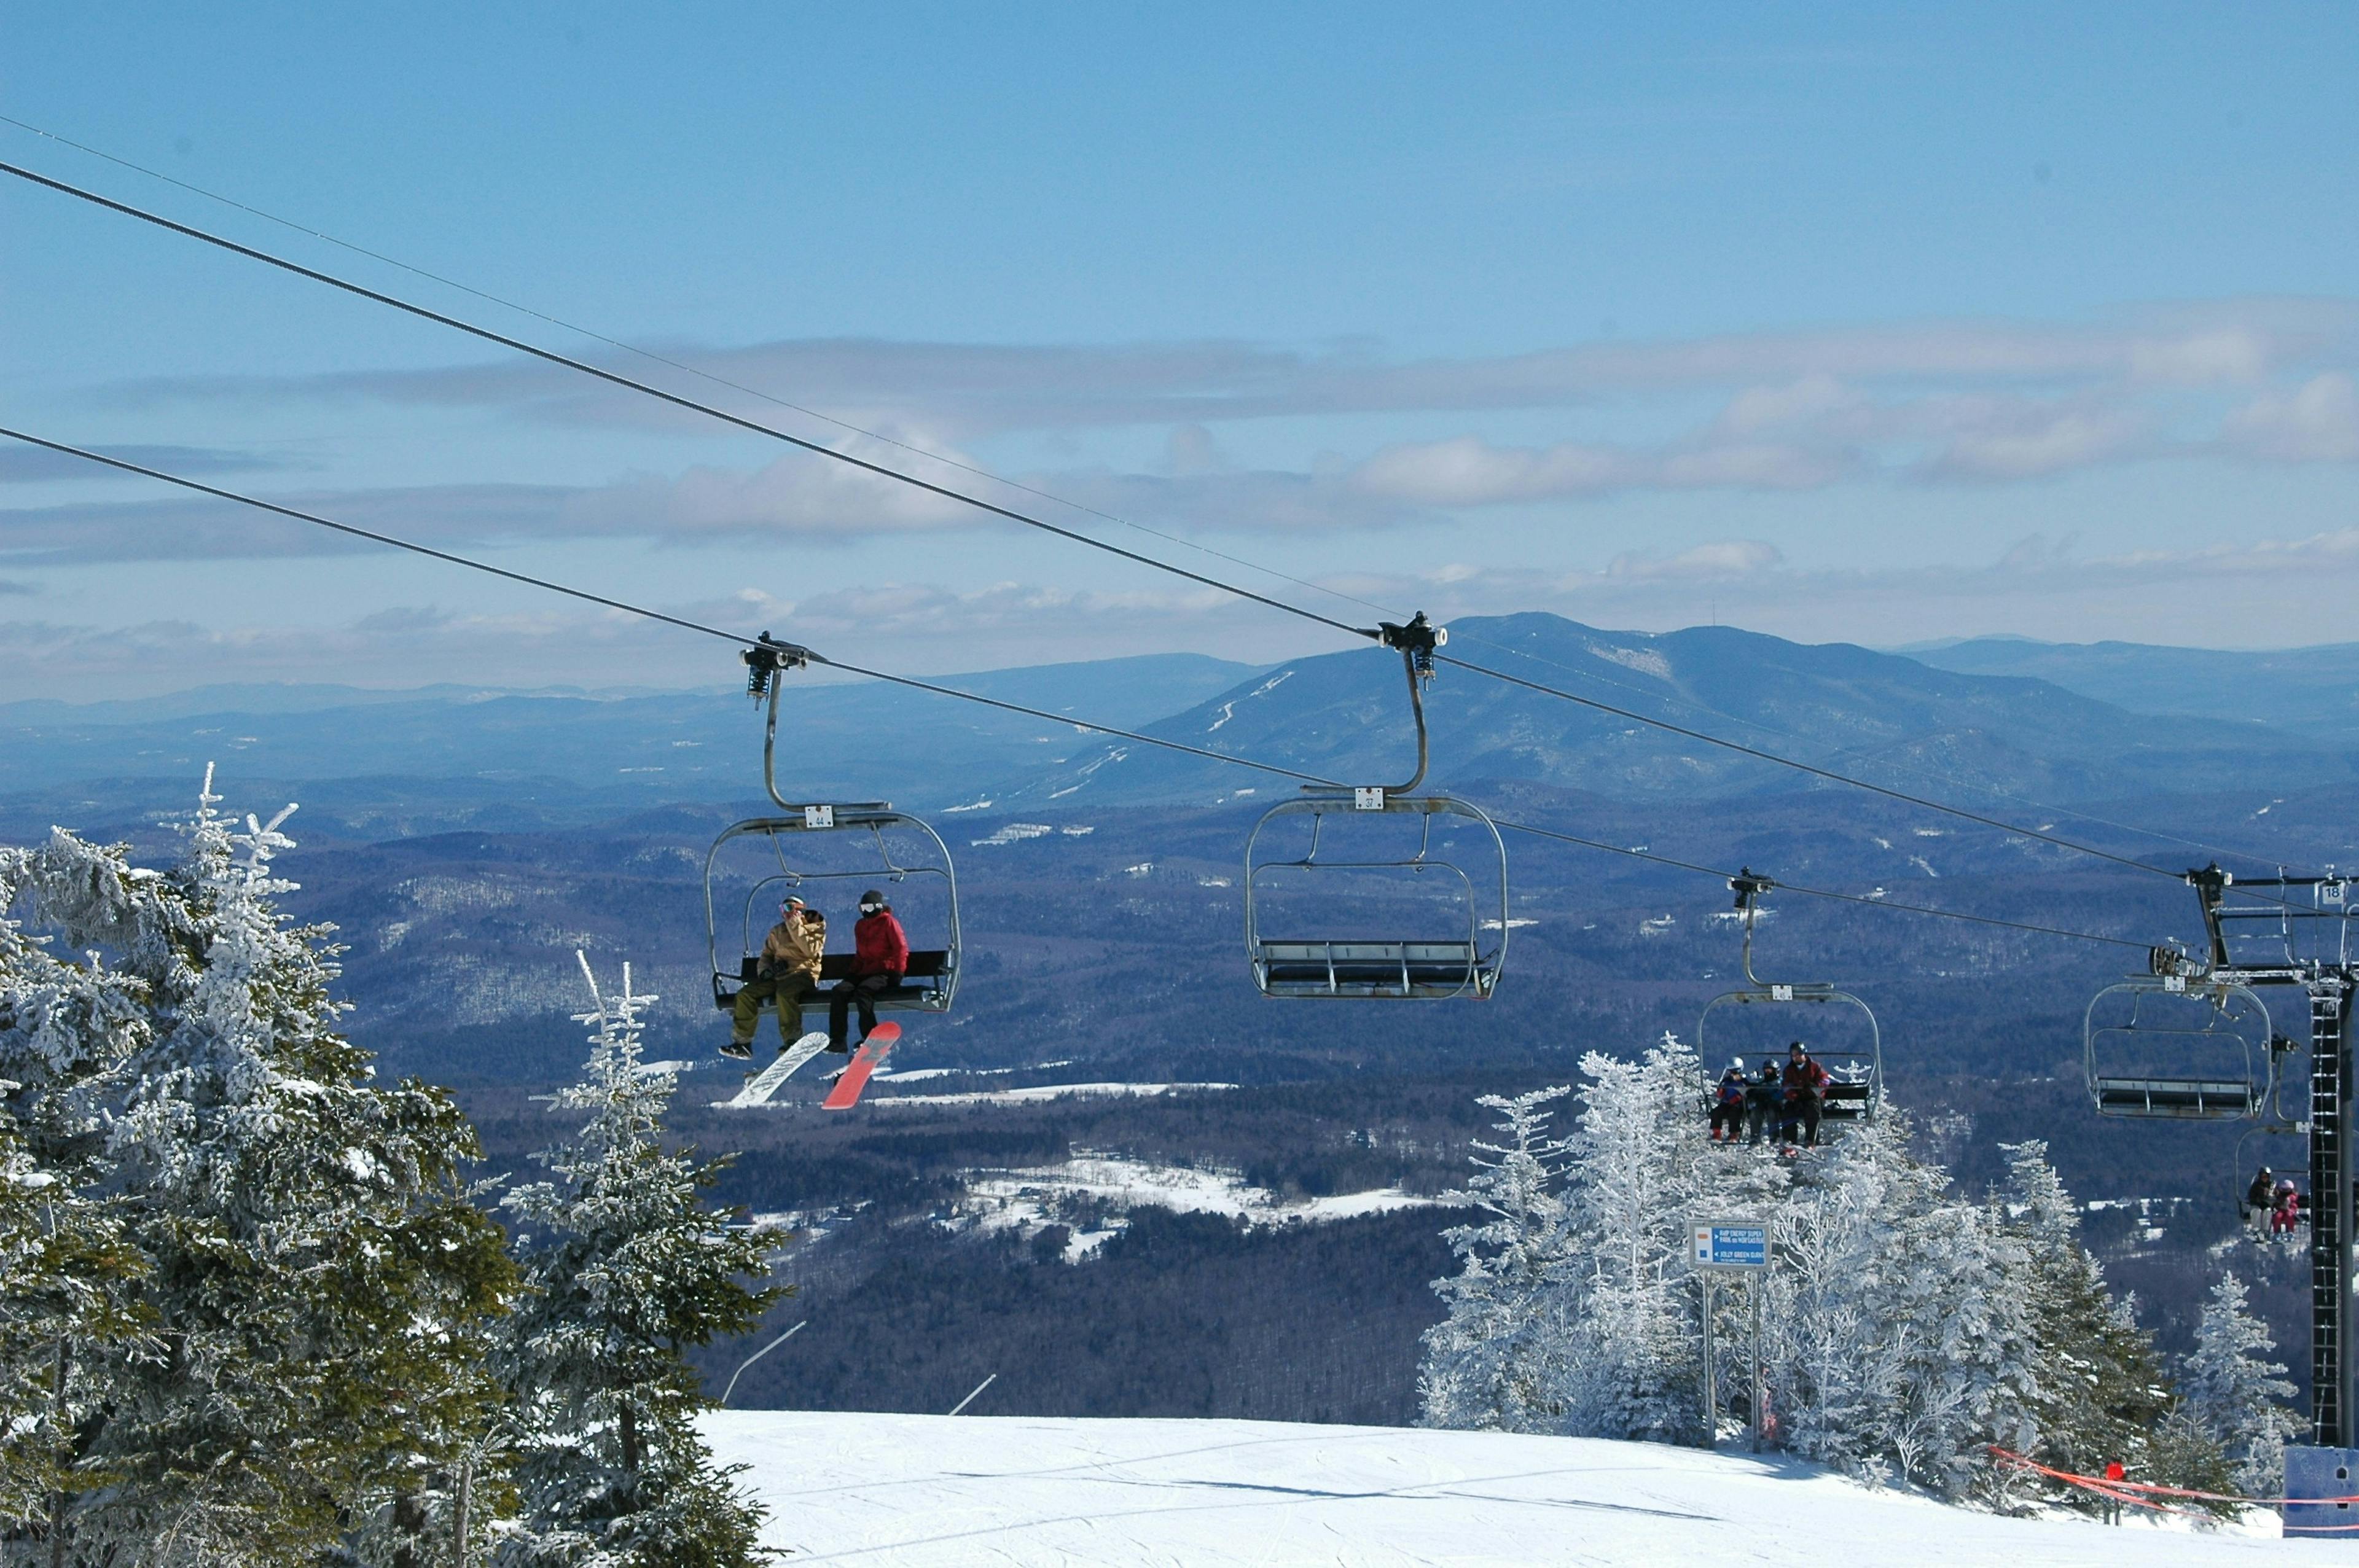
930, 982
2137, 1066
1856, 1090
1364, 965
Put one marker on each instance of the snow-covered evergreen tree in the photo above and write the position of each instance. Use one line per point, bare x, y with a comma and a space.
1633, 1309
316, 1274
1897, 1346
2236, 1394
625, 1267
2103, 1394
1494, 1363
68, 1282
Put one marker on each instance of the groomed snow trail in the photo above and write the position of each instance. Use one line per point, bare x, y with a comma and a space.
934, 1490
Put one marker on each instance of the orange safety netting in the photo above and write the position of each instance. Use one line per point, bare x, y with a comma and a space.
2142, 1493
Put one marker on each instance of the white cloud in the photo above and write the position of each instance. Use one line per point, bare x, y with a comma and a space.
1470, 472
1722, 560
2049, 442
2318, 422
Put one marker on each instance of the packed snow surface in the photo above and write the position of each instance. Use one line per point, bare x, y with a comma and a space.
920, 1490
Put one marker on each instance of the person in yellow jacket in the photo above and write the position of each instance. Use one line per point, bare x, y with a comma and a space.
787, 971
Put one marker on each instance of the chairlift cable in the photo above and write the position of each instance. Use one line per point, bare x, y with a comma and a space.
848, 426
615, 378
884, 470
741, 638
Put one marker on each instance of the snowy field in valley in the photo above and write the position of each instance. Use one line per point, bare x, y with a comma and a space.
1038, 1196
927, 1490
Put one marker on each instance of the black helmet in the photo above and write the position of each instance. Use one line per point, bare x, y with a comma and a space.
871, 897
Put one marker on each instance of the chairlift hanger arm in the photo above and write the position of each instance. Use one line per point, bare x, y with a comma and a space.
1416, 641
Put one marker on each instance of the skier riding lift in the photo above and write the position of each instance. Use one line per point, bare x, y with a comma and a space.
1805, 1091
786, 971
1762, 1099
880, 956
1728, 1103
2259, 1199
2285, 1218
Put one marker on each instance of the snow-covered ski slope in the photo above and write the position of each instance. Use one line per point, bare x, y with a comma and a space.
926, 1490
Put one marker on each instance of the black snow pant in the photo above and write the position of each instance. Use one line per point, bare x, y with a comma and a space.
1728, 1116
1760, 1112
859, 992
1804, 1109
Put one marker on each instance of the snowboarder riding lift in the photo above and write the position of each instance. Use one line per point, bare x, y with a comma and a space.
880, 958
787, 971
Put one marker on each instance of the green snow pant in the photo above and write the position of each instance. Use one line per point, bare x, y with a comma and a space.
788, 989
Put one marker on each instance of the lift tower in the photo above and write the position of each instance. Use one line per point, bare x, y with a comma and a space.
2294, 932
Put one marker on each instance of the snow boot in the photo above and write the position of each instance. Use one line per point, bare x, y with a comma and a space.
743, 1050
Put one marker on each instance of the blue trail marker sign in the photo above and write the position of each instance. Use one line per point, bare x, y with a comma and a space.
1731, 1244
1718, 1248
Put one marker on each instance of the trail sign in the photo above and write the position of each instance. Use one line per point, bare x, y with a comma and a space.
1730, 1244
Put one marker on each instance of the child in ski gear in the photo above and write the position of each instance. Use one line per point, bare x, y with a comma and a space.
880, 958
2115, 1472
1762, 1098
786, 971
2259, 1199
1728, 1103
1805, 1091
2285, 1217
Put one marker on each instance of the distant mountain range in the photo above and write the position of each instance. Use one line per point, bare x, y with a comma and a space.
1981, 721
839, 740
1896, 720
2312, 692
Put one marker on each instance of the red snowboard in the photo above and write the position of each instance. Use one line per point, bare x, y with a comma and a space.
867, 1060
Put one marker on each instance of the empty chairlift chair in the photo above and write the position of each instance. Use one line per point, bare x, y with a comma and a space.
1856, 1091
2178, 1045
902, 852
1456, 949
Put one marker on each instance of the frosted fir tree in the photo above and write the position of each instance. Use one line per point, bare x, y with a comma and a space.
2236, 1394
627, 1267
1895, 1342
315, 1273
1634, 1343
68, 1282
2102, 1395
1495, 1362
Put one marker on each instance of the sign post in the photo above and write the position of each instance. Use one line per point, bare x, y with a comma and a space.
1738, 1247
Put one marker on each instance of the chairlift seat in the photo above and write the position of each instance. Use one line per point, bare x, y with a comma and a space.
920, 987
2190, 1099
1362, 968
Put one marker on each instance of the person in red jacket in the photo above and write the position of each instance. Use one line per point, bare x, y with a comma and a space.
1805, 1091
880, 958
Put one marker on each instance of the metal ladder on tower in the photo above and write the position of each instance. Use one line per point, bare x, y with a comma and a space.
2330, 1210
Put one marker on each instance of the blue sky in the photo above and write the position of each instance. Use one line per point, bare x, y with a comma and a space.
1860, 323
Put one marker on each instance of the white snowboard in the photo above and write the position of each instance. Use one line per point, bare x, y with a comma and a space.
764, 1084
